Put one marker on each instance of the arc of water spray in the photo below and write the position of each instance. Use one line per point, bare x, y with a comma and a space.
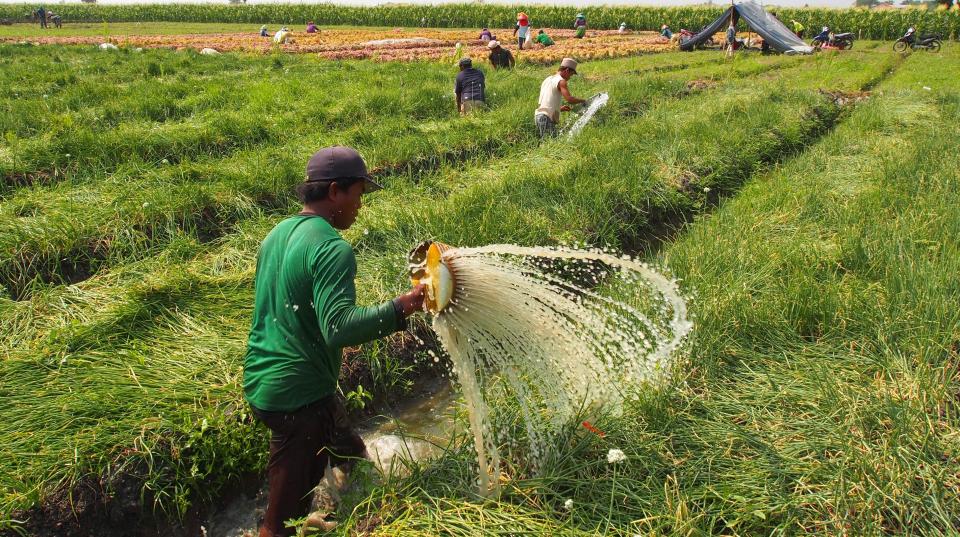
592, 106
555, 343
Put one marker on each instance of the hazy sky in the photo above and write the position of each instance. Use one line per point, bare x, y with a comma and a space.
791, 3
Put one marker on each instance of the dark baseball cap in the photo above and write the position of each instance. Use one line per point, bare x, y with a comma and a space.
339, 162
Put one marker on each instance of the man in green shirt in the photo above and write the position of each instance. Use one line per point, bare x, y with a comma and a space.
544, 39
304, 313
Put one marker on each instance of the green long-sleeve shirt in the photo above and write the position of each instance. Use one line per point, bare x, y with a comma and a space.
304, 313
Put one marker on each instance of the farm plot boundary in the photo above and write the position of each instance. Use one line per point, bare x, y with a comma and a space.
871, 24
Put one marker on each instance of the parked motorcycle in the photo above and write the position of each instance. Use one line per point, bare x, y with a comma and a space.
924, 42
842, 41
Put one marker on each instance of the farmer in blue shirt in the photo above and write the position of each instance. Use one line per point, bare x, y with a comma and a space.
469, 87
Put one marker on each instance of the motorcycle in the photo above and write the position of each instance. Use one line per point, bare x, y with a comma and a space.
842, 41
924, 42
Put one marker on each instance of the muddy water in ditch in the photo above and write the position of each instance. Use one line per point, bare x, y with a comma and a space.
414, 430
539, 337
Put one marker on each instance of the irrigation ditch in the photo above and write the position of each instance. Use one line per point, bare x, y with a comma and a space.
666, 225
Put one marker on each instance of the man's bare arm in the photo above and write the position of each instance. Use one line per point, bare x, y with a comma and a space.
566, 94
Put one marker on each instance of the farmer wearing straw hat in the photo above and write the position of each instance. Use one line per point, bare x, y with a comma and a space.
469, 87
522, 29
500, 57
553, 91
304, 313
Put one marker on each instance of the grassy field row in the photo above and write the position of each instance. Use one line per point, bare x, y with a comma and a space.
166, 332
885, 24
67, 231
820, 392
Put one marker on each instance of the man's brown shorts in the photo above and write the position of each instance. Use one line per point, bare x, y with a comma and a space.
302, 442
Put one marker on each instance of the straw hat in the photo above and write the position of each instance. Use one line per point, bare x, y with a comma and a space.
493, 44
521, 16
569, 63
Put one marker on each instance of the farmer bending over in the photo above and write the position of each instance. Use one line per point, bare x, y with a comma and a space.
797, 28
282, 37
553, 88
544, 39
304, 313
469, 88
580, 25
500, 57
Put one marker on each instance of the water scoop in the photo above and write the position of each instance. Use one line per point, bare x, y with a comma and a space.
427, 266
590, 100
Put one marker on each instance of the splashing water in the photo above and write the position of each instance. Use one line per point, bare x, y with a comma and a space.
555, 332
595, 104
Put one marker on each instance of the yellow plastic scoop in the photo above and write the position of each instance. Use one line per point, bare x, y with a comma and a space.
427, 266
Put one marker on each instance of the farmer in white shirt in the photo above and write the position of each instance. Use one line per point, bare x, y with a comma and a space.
553, 91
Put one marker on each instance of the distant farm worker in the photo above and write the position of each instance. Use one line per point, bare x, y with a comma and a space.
580, 25
797, 28
311, 28
666, 32
485, 35
469, 88
731, 38
304, 314
544, 39
457, 53
282, 36
623, 28
55, 19
500, 58
42, 15
522, 29
553, 91
263, 31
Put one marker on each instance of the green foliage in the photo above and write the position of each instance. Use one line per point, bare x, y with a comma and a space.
885, 24
358, 398
138, 364
819, 391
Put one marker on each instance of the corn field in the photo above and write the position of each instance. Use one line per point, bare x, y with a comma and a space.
868, 24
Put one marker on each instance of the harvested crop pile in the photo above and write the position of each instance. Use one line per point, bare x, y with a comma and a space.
392, 45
